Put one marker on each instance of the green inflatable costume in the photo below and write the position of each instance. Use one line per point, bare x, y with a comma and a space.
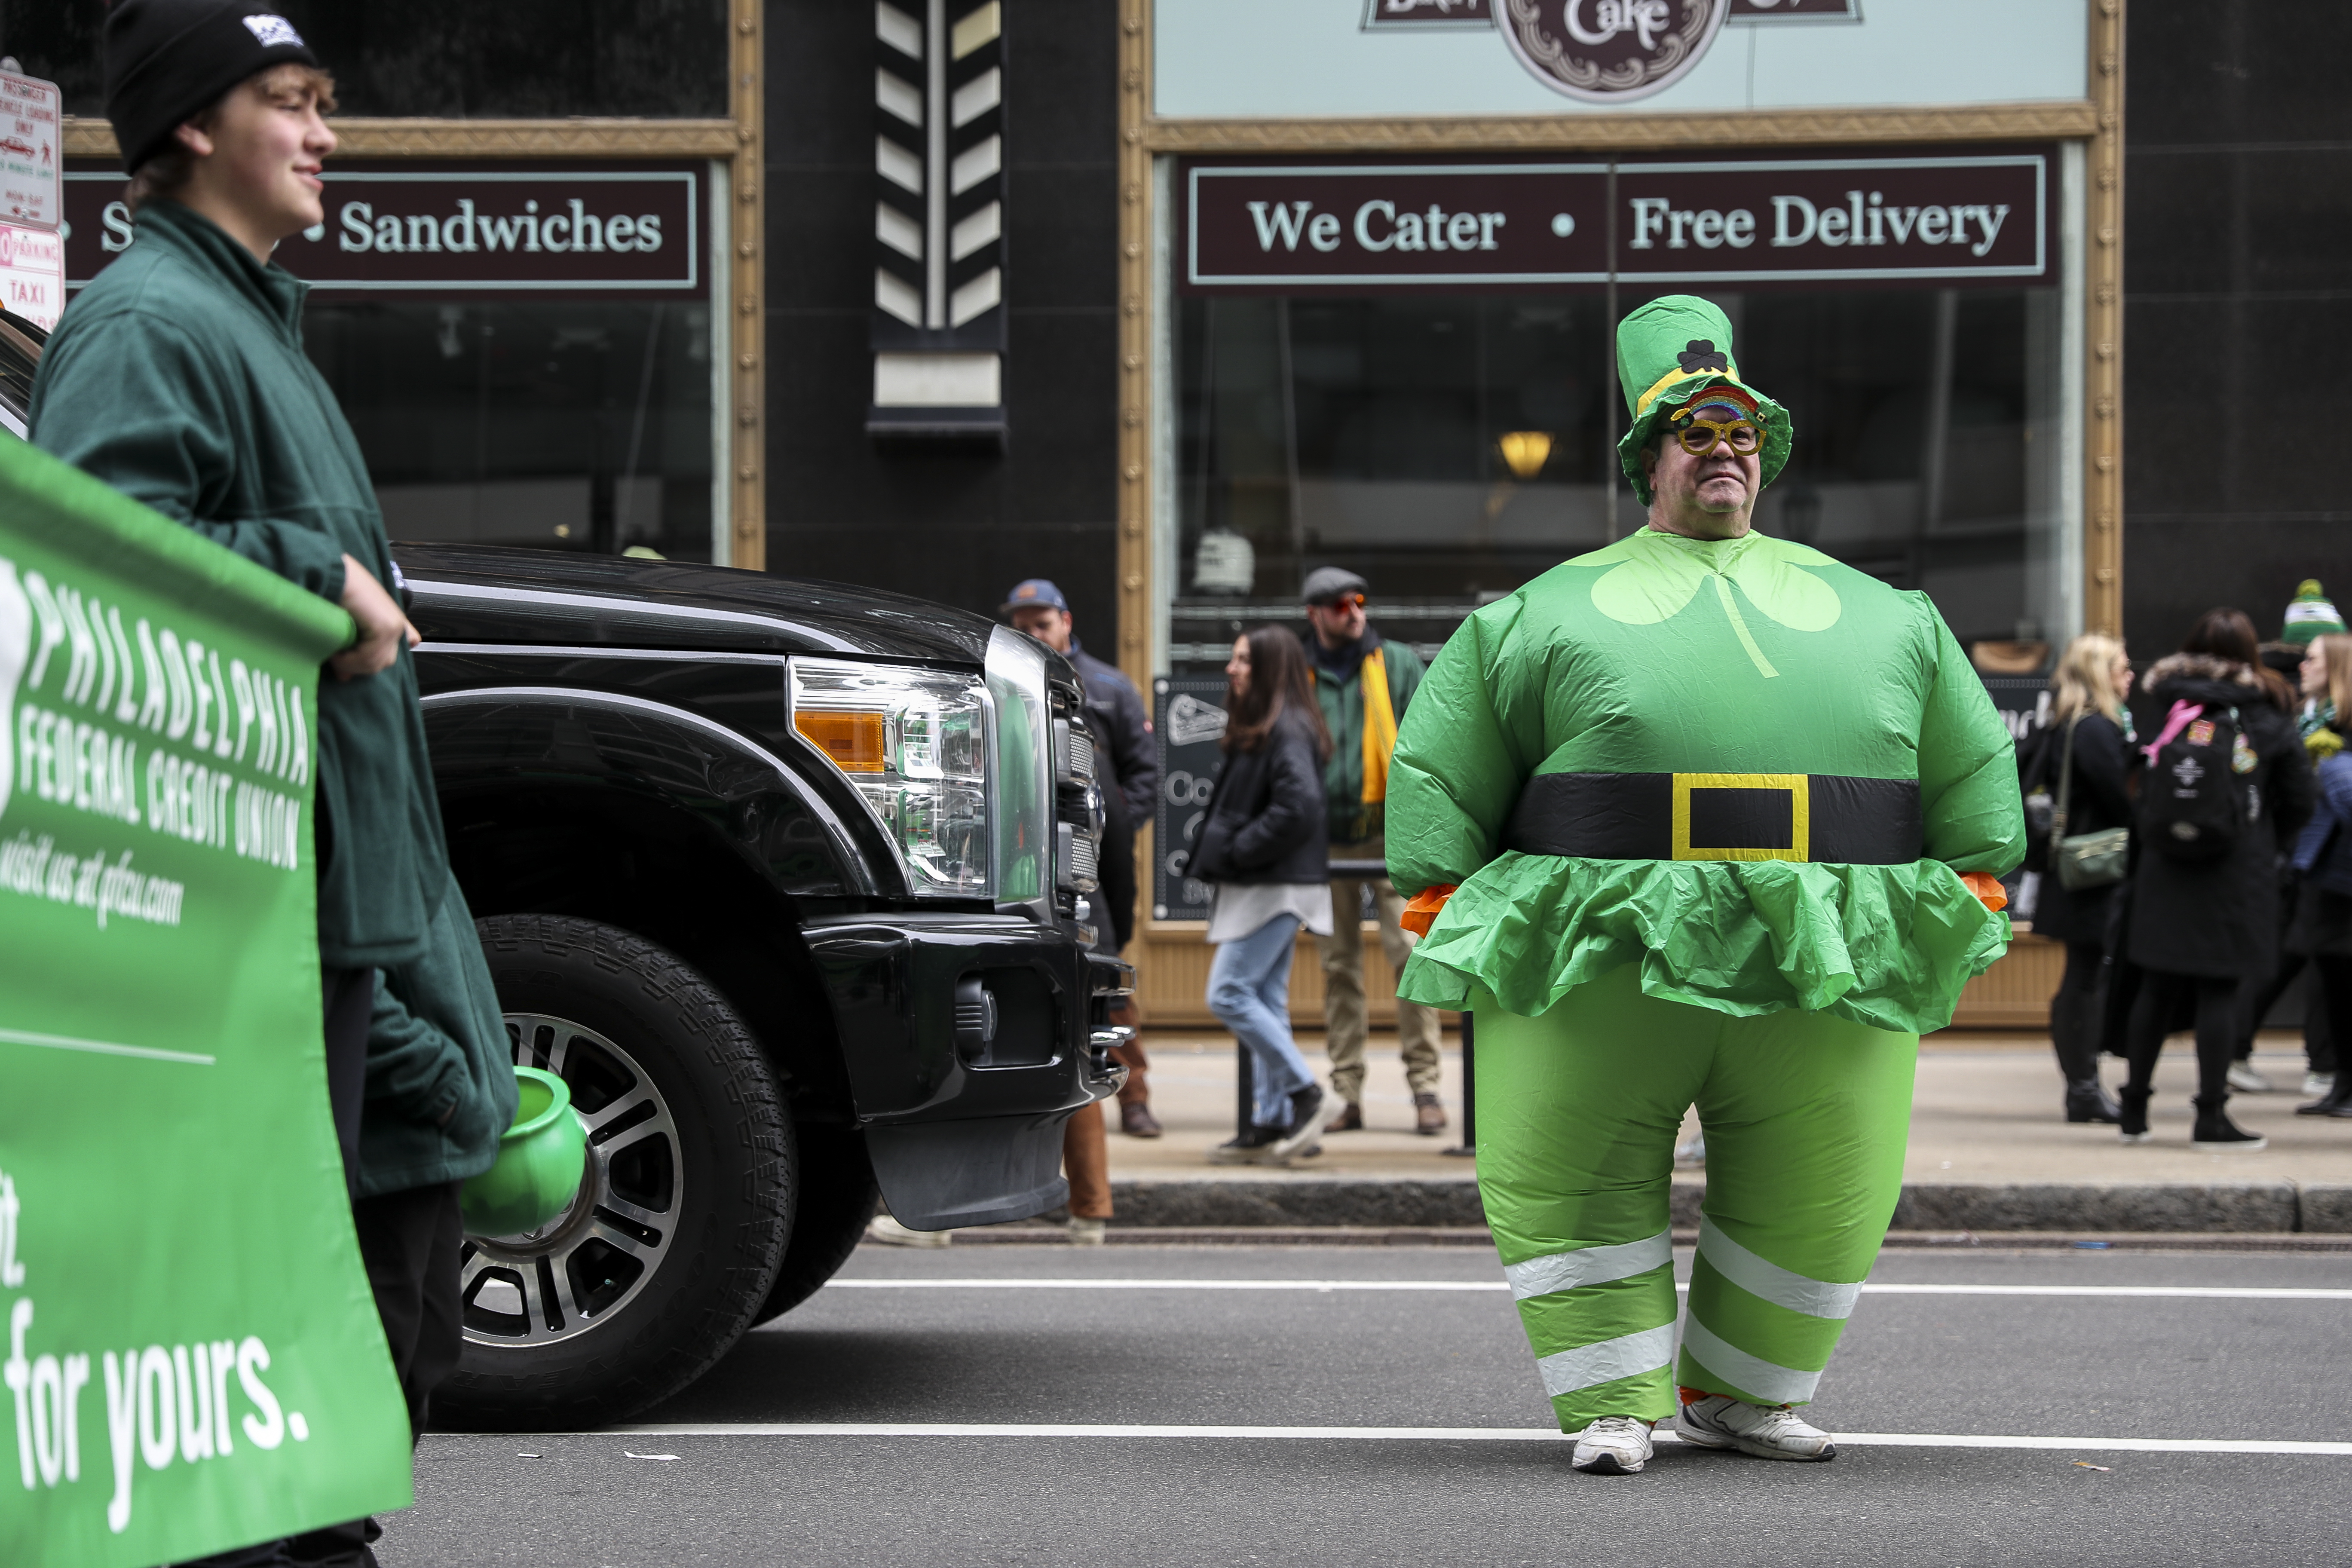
1709, 804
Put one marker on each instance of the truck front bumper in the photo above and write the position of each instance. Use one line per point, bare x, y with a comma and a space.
969, 1040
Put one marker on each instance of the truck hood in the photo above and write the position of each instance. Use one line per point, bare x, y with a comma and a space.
479, 594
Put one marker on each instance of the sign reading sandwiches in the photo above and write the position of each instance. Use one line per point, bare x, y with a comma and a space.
395, 229
1973, 219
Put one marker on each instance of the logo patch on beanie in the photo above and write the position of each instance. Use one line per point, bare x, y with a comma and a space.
272, 31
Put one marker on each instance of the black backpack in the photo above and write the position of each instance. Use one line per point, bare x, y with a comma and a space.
2196, 796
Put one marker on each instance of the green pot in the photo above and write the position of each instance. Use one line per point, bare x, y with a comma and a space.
542, 1159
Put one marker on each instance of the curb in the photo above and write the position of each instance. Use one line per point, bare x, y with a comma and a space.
2179, 1208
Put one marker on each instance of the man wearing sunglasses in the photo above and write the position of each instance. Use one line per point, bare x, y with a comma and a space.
1725, 819
1364, 685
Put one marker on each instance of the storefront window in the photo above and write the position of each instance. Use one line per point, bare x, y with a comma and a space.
555, 424
524, 350
1442, 423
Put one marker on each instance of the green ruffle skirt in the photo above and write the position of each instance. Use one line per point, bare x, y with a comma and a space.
1888, 946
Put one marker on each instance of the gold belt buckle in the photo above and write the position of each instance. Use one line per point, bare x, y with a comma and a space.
1799, 787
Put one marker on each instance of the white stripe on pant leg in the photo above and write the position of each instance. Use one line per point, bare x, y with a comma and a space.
1814, 1298
1588, 1265
1586, 1366
1767, 1381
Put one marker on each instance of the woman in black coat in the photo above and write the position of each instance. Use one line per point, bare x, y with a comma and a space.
1261, 850
2199, 927
2089, 723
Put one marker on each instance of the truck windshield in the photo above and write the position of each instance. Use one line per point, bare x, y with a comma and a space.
1022, 811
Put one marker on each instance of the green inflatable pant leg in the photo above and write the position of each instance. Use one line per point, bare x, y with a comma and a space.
1578, 1111
1807, 1116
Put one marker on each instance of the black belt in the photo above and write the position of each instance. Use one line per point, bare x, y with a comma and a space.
1718, 816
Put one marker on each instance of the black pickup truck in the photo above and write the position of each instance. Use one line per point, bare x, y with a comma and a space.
789, 881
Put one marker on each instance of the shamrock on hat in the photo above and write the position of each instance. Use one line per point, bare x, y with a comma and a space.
1668, 352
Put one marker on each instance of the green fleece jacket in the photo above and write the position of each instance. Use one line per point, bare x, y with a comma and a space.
178, 377
1350, 820
440, 1072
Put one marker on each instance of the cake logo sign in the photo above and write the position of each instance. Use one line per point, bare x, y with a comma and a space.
1609, 51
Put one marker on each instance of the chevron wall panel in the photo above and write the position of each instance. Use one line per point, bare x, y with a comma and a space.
939, 331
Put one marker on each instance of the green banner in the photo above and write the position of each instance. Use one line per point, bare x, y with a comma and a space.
191, 1356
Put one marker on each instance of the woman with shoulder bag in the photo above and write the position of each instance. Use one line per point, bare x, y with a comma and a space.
2323, 859
2223, 788
1261, 850
2091, 732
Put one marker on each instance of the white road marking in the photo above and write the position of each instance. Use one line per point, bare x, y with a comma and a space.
2204, 1292
1416, 1434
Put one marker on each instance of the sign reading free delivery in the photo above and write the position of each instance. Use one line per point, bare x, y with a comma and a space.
1981, 218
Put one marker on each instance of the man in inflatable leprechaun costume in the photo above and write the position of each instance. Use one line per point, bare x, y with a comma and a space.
1726, 819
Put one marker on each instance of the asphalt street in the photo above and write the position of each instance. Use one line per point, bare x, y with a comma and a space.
1379, 1406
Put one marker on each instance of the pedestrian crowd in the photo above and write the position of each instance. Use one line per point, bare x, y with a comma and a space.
2196, 872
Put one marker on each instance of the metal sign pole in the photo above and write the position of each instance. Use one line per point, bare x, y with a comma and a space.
1468, 1147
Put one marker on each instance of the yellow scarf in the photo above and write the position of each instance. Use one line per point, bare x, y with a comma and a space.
1380, 727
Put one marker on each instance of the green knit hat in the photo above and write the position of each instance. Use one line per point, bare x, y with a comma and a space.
2311, 616
1668, 352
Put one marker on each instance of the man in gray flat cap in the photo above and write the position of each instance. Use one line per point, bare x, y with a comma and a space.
1364, 685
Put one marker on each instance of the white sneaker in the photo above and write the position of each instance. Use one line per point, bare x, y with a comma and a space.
2246, 1080
1085, 1232
2319, 1083
1767, 1431
1613, 1446
1328, 1107
890, 1233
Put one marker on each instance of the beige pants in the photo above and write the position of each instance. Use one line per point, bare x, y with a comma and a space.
1343, 983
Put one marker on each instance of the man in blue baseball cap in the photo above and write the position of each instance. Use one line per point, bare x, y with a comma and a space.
1129, 771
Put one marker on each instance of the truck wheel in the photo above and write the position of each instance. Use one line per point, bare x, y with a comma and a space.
664, 1259
837, 1200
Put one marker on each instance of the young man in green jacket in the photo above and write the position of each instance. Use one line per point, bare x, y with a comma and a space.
1702, 817
1364, 683
178, 377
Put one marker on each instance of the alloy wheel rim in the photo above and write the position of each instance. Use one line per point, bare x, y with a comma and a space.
575, 1271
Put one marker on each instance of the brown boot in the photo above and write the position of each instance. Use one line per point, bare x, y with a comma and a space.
1350, 1119
1428, 1115
1136, 1122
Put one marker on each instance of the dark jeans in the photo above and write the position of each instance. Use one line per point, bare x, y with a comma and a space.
2332, 1002
2074, 1012
410, 1242
2318, 1040
2160, 994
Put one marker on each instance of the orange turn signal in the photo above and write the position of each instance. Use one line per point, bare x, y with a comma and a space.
856, 741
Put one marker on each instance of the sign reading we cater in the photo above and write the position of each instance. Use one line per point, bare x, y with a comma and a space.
190, 1358
392, 229
1984, 218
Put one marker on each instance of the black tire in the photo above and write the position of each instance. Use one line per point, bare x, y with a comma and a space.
666, 1259
837, 1200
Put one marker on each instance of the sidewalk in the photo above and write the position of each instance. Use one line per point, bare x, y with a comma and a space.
1989, 1150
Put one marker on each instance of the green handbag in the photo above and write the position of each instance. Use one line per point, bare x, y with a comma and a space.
2085, 860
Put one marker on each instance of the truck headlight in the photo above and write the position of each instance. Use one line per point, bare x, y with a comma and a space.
915, 744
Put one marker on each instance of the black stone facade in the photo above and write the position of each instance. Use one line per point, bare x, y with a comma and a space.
2237, 309
957, 522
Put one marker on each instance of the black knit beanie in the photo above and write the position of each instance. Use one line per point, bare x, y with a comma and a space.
168, 60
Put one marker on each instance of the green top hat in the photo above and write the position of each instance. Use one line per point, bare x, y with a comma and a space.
1668, 352
2311, 616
